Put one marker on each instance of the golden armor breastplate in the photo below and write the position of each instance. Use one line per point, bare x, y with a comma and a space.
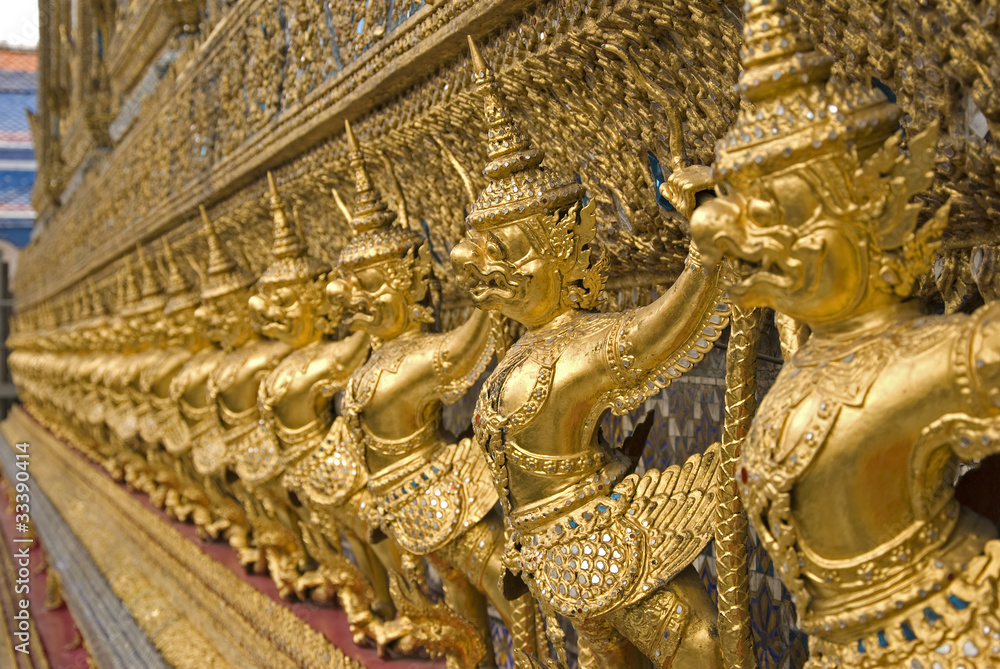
119, 414
434, 490
336, 471
386, 358
496, 425
241, 425
164, 412
601, 543
275, 445
181, 432
283, 385
226, 430
333, 473
89, 403
429, 498
152, 367
887, 600
226, 376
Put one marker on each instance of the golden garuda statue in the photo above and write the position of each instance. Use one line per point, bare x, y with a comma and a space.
233, 386
429, 493
849, 471
190, 416
92, 333
77, 353
328, 482
608, 550
294, 400
224, 318
124, 346
110, 344
47, 366
181, 342
141, 336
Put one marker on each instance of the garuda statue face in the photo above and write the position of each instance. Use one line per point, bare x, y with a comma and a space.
223, 315
384, 270
796, 255
182, 327
815, 194
288, 300
525, 254
807, 254
119, 332
530, 269
384, 299
148, 325
288, 313
224, 318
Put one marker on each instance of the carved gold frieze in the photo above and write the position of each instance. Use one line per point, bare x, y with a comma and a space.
281, 257
929, 78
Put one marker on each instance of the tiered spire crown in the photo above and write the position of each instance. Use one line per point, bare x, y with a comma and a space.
81, 305
290, 262
152, 297
176, 283
518, 185
97, 309
223, 275
375, 237
150, 286
179, 293
130, 294
799, 112
287, 243
121, 288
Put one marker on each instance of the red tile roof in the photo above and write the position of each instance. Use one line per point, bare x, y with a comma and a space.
18, 61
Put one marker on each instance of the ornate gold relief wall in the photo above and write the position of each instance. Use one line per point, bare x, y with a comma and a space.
153, 112
271, 83
208, 131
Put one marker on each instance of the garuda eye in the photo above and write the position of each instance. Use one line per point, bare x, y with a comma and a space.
494, 248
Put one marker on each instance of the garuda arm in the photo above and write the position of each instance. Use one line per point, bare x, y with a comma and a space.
652, 345
975, 433
462, 355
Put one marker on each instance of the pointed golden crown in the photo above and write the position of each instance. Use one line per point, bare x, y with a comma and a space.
152, 297
121, 287
150, 286
375, 237
179, 293
176, 283
81, 305
798, 112
130, 290
290, 262
286, 242
223, 275
97, 309
803, 117
66, 310
50, 317
518, 185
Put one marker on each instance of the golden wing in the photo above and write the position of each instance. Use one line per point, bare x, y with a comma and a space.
333, 472
675, 509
